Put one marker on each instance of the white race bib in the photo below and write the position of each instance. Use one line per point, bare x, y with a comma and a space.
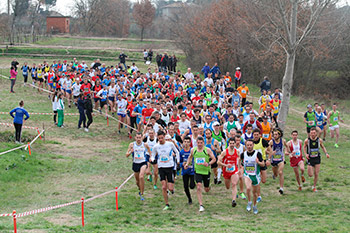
200, 161
266, 135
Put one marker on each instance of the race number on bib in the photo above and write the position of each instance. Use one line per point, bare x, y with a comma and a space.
335, 119
319, 123
250, 169
200, 161
266, 135
230, 169
164, 159
277, 157
297, 153
311, 123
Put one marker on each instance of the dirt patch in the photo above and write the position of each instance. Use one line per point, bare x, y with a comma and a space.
105, 148
64, 219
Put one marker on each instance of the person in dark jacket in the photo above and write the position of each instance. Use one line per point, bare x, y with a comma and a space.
18, 121
150, 55
88, 111
206, 70
158, 60
169, 64
265, 85
122, 58
82, 117
14, 64
215, 70
164, 62
173, 64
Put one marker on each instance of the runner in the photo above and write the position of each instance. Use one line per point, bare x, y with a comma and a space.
151, 141
324, 110
214, 146
112, 95
230, 161
121, 111
312, 151
320, 119
102, 95
138, 150
187, 174
296, 157
261, 145
276, 156
201, 158
333, 121
309, 119
252, 161
165, 151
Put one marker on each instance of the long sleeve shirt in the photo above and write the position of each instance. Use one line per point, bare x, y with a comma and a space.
18, 114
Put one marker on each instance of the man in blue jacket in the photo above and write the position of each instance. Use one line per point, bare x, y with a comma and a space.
18, 114
206, 70
215, 70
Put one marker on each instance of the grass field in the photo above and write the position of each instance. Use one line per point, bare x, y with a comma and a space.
71, 164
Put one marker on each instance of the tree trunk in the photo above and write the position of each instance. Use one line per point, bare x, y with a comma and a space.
287, 84
142, 30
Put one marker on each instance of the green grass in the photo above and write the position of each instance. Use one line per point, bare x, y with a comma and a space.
71, 164
113, 43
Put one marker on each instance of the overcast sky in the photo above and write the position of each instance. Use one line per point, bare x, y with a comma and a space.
64, 6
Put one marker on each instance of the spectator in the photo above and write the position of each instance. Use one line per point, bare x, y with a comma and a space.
18, 119
13, 77
215, 70
150, 55
158, 60
122, 58
173, 64
97, 64
238, 75
145, 55
164, 62
265, 85
14, 64
169, 64
189, 75
206, 70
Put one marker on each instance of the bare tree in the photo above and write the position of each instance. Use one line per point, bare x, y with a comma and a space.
103, 17
143, 14
284, 30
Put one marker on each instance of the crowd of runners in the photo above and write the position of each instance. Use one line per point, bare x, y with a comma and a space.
189, 125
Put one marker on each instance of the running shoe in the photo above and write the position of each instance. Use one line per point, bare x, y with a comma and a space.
314, 190
259, 199
166, 207
155, 187
249, 206
255, 209
190, 201
219, 182
273, 176
324, 139
215, 181
336, 145
150, 178
244, 197
281, 191
201, 208
234, 203
86, 130
300, 188
303, 179
141, 197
